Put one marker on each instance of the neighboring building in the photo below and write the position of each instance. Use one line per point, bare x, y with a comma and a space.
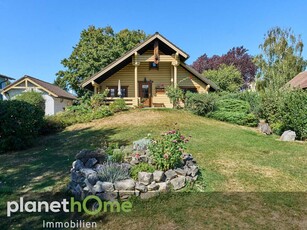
56, 98
143, 74
299, 81
3, 82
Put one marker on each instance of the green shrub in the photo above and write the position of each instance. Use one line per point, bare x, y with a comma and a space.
142, 167
118, 156
200, 104
293, 112
51, 125
99, 99
167, 150
101, 112
20, 124
234, 111
112, 172
175, 94
33, 98
118, 105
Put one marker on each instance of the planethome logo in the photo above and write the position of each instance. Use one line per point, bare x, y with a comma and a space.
67, 206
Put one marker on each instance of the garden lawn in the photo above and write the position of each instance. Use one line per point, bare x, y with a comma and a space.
248, 180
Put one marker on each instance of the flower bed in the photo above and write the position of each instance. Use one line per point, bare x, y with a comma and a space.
146, 169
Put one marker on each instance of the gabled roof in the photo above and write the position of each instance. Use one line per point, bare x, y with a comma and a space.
299, 81
6, 77
199, 76
127, 57
48, 87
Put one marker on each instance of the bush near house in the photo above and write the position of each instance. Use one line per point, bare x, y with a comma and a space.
33, 98
293, 113
200, 104
20, 124
234, 111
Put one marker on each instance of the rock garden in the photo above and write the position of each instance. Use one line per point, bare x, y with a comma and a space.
144, 169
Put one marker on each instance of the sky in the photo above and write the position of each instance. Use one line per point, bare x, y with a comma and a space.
37, 35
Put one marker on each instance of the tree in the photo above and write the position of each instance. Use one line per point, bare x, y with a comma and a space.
227, 77
280, 59
96, 48
236, 56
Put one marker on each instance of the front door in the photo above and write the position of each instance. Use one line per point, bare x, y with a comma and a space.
145, 93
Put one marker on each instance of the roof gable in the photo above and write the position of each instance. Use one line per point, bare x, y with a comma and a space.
165, 46
49, 88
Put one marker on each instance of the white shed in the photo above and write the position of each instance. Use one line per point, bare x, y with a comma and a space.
56, 99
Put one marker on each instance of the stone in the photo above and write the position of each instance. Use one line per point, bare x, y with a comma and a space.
86, 172
124, 195
264, 128
153, 186
140, 187
170, 174
77, 165
77, 177
137, 192
145, 177
105, 186
180, 172
97, 188
158, 176
78, 192
190, 163
164, 186
89, 187
91, 162
128, 184
109, 196
92, 178
194, 170
149, 194
178, 182
288, 136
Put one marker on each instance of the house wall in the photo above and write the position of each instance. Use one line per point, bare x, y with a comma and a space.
60, 104
164, 75
49, 104
53, 105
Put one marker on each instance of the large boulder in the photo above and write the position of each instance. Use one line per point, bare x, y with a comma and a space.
145, 177
264, 128
128, 184
288, 136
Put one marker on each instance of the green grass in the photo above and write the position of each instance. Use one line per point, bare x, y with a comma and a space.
249, 180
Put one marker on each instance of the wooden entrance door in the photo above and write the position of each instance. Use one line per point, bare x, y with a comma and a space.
145, 93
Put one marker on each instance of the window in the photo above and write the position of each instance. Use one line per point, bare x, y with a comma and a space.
113, 91
190, 89
153, 65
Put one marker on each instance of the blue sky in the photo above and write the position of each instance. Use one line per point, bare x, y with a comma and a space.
37, 35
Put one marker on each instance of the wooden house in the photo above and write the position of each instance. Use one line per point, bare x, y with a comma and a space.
143, 73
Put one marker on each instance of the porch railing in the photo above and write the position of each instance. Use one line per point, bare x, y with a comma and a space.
130, 101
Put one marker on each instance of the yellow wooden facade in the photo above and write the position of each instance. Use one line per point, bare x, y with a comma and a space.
163, 76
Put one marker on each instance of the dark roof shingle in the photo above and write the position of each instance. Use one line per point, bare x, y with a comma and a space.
299, 81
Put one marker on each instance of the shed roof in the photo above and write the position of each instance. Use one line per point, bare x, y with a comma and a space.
55, 90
